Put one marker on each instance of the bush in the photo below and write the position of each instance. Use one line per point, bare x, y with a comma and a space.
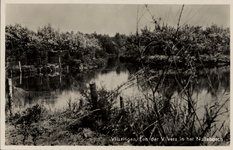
100, 54
26, 122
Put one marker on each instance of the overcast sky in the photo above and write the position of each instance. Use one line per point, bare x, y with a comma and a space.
112, 18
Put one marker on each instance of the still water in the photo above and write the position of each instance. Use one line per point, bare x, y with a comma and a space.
55, 90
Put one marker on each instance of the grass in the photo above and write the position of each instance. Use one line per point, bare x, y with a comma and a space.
53, 128
136, 123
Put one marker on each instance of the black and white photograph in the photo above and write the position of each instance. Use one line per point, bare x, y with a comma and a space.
115, 73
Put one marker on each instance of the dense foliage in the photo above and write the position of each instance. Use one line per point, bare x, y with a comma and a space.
185, 41
163, 40
23, 44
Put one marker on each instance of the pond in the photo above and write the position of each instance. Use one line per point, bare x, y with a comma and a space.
55, 90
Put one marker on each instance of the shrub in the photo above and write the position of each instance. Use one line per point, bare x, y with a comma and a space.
26, 122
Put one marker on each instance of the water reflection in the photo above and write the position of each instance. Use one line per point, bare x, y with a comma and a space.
111, 80
55, 90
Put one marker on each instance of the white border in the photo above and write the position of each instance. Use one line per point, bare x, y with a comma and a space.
2, 75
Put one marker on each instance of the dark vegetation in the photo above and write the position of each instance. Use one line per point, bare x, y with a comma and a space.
210, 45
97, 119
25, 45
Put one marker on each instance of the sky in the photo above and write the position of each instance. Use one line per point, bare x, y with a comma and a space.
113, 18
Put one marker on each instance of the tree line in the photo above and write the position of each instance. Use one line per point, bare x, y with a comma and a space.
188, 41
21, 41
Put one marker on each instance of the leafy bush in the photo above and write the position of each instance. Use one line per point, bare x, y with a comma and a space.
25, 122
